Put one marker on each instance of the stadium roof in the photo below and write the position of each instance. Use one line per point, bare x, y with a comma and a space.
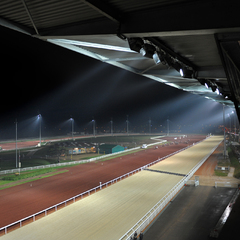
201, 37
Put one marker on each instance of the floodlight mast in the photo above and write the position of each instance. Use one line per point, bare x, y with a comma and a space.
167, 127
40, 129
111, 126
93, 121
72, 126
150, 123
127, 125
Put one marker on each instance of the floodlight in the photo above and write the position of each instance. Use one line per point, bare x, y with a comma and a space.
147, 50
135, 44
186, 73
226, 97
158, 58
181, 72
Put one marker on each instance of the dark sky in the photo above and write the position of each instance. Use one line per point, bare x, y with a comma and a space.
39, 77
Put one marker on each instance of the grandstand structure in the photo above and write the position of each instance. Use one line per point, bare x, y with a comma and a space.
120, 209
184, 44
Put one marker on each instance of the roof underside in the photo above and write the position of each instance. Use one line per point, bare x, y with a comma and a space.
199, 35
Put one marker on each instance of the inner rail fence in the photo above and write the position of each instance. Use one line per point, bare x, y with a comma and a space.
55, 207
66, 163
9, 171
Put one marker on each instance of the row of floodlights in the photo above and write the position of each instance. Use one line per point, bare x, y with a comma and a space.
211, 84
149, 50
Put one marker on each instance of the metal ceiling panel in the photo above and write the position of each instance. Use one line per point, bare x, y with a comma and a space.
100, 28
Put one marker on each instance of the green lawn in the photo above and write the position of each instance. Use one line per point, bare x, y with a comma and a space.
28, 176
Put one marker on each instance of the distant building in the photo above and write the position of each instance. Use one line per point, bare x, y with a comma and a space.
110, 148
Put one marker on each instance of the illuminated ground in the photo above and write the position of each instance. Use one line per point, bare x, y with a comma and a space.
108, 214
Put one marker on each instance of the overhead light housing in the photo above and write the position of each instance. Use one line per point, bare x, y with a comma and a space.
147, 50
135, 44
158, 58
186, 73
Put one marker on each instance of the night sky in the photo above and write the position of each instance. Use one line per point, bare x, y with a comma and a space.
39, 77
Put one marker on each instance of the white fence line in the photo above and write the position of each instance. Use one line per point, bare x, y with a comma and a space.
66, 163
93, 190
156, 209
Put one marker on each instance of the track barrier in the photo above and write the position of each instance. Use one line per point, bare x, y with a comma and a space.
141, 224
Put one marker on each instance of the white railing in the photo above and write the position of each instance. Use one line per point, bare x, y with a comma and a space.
55, 207
66, 163
156, 209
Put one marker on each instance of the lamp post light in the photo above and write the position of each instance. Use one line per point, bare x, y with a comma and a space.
72, 121
150, 123
93, 121
40, 130
111, 126
167, 127
127, 124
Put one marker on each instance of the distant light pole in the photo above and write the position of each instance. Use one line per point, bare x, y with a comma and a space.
127, 124
150, 123
72, 120
167, 127
111, 126
40, 130
93, 121
16, 144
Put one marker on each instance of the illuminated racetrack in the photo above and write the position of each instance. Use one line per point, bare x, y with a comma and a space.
109, 213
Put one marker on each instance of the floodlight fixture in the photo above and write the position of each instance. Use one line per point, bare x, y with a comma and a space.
158, 57
147, 50
40, 129
185, 72
135, 44
71, 119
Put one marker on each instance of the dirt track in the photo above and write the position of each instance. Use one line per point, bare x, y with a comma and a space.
21, 201
206, 171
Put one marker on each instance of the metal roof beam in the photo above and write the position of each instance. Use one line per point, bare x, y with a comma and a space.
104, 9
30, 16
16, 26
